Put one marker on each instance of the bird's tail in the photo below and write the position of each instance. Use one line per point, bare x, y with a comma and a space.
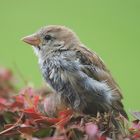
120, 125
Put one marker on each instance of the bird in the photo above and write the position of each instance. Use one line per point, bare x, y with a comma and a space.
76, 74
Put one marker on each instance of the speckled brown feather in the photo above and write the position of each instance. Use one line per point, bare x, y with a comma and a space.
91, 58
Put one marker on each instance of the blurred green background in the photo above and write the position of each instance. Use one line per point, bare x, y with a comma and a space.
109, 27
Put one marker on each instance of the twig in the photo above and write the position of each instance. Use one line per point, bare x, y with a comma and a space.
14, 125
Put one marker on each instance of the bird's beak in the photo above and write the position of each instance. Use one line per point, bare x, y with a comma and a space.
32, 40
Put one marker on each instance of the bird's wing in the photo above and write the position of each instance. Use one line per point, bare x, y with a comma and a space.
94, 67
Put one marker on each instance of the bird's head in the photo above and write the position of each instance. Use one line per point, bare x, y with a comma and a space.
51, 38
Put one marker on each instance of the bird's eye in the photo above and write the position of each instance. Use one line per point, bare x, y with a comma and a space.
47, 37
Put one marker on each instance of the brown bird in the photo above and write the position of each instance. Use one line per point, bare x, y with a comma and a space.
76, 74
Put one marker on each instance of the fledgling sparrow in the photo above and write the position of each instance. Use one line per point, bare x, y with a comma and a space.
76, 74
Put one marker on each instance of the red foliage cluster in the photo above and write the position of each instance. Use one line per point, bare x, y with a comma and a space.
6, 80
21, 117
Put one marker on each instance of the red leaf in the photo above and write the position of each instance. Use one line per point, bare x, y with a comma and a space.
33, 115
64, 117
65, 113
27, 130
63, 122
3, 101
3, 104
19, 98
36, 101
47, 119
2, 107
18, 103
136, 135
31, 112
